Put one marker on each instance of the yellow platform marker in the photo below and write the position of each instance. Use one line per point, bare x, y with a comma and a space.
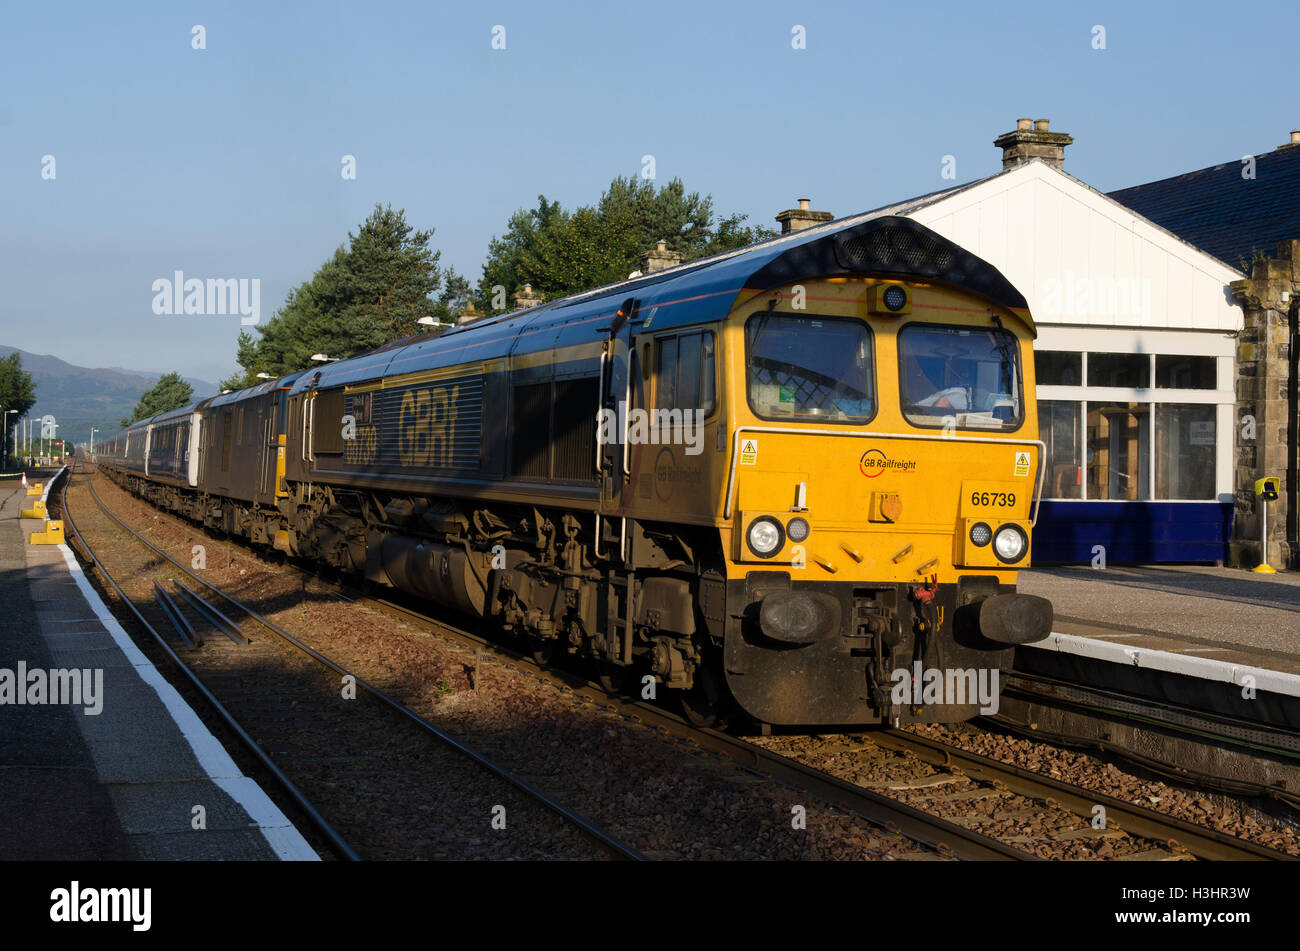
53, 534
36, 488
36, 511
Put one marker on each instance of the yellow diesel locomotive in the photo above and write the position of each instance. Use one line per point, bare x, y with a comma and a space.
795, 480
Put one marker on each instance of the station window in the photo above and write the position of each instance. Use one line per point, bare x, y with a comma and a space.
810, 368
1178, 372
1118, 448
685, 376
1058, 427
1185, 450
1128, 370
1058, 368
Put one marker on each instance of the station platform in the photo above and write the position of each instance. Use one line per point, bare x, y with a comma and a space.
114, 766
1219, 625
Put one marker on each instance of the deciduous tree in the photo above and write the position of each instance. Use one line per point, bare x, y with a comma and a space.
560, 252
17, 391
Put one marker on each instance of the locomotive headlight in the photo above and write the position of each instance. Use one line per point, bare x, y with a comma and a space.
797, 529
980, 534
895, 298
764, 536
1010, 543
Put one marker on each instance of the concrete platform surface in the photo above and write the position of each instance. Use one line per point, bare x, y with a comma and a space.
116, 774
1222, 621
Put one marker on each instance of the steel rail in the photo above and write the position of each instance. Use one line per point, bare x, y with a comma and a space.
1203, 842
1271, 740
874, 807
930, 832
337, 843
588, 828
1200, 841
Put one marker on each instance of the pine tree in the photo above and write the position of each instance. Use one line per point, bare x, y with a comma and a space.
370, 292
169, 393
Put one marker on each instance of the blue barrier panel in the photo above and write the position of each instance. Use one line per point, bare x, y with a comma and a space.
1132, 532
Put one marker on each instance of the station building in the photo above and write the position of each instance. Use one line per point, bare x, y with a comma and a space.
1246, 213
1161, 329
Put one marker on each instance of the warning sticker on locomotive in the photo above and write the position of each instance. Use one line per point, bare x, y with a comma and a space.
749, 452
1022, 464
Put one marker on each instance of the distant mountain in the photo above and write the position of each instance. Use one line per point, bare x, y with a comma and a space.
80, 397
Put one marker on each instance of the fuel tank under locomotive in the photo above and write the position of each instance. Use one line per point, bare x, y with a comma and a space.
440, 573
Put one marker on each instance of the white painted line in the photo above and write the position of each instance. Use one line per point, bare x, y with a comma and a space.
280, 834
1272, 681
49, 484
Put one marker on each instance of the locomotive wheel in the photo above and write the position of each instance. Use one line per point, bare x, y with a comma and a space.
613, 677
543, 650
707, 705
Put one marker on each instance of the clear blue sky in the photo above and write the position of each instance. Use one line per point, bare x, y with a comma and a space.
225, 162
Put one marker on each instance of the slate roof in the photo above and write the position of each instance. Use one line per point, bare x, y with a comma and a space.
1222, 213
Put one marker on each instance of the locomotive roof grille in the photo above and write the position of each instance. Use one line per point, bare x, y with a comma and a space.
889, 245
891, 249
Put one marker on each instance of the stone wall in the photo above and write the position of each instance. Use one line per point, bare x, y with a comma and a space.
1269, 298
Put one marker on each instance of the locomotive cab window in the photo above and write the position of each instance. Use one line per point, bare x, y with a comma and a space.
685, 375
963, 376
810, 368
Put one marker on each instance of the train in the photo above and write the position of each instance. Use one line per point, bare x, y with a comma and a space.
792, 483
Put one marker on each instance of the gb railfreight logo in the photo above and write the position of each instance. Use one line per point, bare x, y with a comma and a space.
874, 463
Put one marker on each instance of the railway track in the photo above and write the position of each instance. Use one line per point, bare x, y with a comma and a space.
989, 779
1246, 737
210, 677
1200, 841
986, 780
340, 847
931, 835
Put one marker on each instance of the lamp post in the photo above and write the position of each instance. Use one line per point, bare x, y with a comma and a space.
93, 430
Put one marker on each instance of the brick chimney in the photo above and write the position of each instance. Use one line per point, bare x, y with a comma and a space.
528, 298
796, 219
1295, 140
658, 258
1031, 139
